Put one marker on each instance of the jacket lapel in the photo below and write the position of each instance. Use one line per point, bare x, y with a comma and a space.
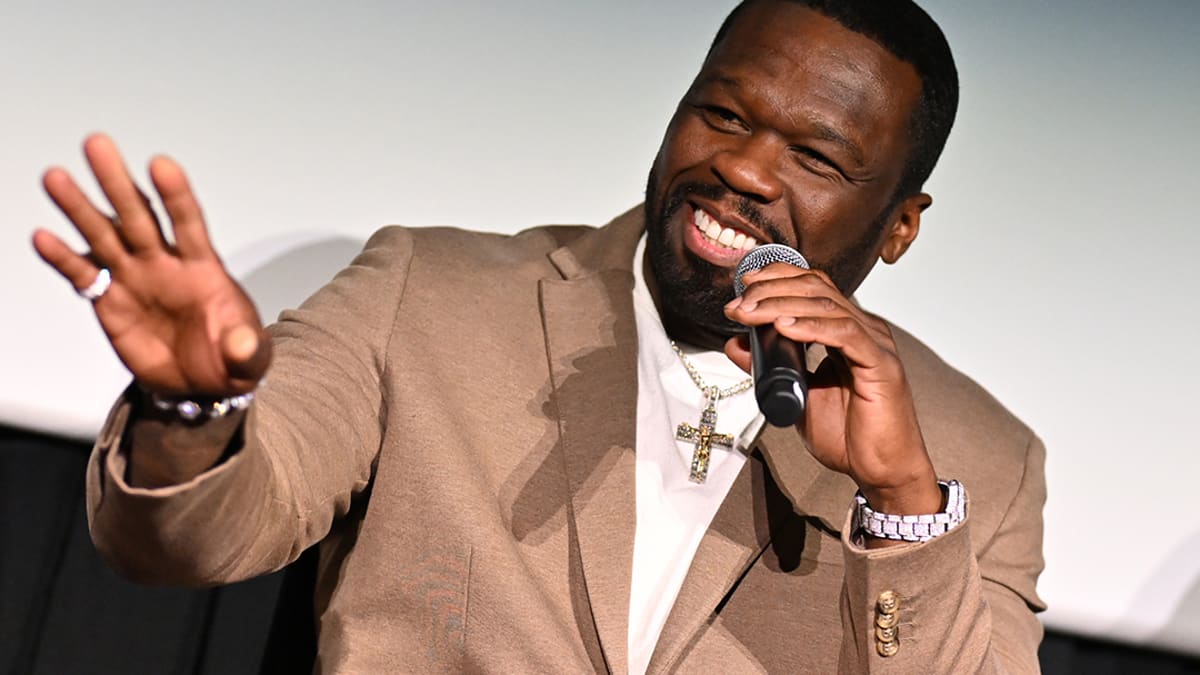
736, 538
780, 478
591, 343
810, 489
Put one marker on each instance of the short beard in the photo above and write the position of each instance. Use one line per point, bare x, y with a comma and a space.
692, 293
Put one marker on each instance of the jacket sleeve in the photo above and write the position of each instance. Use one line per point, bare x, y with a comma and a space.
306, 449
957, 612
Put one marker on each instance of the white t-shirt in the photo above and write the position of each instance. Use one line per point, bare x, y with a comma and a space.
673, 513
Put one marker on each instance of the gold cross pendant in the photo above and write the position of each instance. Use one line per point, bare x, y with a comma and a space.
705, 437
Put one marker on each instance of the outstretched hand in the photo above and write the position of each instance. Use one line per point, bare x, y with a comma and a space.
175, 317
860, 419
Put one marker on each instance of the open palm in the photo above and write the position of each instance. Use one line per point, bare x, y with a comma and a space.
174, 315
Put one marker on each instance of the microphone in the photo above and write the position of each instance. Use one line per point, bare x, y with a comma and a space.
776, 363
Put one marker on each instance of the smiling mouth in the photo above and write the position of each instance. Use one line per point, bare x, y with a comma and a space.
720, 236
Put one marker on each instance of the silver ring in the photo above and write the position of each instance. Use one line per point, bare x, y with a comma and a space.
99, 287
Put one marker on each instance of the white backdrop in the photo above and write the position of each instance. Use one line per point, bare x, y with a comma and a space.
1054, 266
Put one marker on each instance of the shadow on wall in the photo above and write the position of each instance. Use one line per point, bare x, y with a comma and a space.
1165, 610
1184, 623
289, 276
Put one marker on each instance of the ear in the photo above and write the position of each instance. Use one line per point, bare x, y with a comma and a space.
906, 223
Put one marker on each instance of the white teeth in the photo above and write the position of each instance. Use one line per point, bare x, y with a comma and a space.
723, 236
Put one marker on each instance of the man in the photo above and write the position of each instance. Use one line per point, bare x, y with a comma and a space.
574, 490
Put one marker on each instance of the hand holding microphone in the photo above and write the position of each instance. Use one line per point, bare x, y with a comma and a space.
856, 410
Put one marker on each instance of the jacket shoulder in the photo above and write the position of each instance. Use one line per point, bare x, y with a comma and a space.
452, 244
958, 399
970, 435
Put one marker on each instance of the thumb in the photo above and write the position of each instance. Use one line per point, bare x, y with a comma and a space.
247, 353
737, 348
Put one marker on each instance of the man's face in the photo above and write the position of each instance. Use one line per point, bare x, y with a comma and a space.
794, 132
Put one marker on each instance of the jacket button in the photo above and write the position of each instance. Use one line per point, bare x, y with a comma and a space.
886, 620
888, 602
887, 633
887, 649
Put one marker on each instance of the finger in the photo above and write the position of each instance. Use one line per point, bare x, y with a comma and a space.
777, 270
737, 348
803, 284
191, 235
853, 339
819, 320
138, 227
247, 353
772, 308
75, 268
809, 284
149, 206
95, 227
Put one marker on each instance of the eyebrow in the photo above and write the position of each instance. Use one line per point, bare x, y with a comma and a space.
819, 128
828, 133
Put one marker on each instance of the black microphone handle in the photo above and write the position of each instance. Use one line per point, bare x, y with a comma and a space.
780, 376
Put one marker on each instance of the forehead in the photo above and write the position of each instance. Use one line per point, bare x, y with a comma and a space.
805, 64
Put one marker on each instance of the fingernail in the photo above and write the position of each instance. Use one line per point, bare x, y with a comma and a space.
785, 321
732, 304
242, 342
749, 306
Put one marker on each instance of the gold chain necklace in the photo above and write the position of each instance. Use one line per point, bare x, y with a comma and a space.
705, 435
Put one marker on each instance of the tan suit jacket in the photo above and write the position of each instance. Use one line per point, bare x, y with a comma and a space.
453, 418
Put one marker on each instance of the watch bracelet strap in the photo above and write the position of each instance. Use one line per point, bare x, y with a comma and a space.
918, 528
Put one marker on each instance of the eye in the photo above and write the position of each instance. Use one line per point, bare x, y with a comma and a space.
814, 158
722, 119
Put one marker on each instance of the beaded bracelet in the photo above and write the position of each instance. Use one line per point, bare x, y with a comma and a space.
190, 411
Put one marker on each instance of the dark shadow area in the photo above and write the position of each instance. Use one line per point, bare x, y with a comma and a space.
64, 611
1065, 653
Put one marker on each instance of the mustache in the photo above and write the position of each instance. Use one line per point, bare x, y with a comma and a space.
718, 193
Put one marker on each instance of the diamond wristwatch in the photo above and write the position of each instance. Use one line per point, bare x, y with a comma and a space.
912, 528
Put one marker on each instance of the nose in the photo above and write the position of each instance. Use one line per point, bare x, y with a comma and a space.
750, 168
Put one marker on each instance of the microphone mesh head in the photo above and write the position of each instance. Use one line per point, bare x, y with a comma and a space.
761, 256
